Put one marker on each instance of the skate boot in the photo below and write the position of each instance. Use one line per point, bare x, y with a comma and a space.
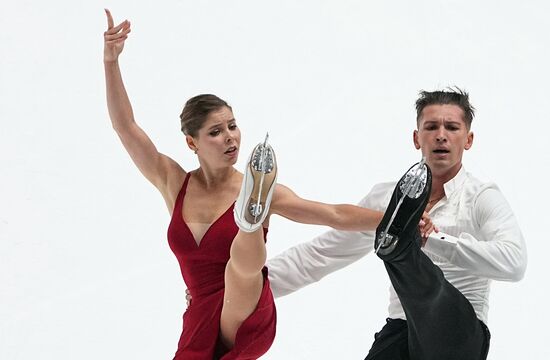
399, 226
257, 188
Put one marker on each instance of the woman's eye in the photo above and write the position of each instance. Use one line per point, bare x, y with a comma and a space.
232, 126
214, 132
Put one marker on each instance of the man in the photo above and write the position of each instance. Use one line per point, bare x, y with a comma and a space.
439, 294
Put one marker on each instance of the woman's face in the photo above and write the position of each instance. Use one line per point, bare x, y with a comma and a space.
218, 141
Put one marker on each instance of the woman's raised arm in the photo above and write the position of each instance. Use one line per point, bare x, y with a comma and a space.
156, 167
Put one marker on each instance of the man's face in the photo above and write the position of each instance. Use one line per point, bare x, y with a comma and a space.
443, 136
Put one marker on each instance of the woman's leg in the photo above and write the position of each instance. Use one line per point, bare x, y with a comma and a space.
243, 273
243, 282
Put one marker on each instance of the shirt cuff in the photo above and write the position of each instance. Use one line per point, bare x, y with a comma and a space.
441, 244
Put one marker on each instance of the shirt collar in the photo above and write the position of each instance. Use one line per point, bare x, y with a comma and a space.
450, 186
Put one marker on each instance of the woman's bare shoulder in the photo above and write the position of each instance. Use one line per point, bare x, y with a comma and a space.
175, 177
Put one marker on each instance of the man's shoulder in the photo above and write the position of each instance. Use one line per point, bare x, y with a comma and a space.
383, 187
379, 196
477, 185
475, 191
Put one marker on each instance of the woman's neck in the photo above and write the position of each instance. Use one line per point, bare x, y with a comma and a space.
213, 178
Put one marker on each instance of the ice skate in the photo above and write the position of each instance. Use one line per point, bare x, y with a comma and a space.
260, 176
407, 204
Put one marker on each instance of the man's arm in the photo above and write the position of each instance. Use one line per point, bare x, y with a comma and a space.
500, 254
309, 262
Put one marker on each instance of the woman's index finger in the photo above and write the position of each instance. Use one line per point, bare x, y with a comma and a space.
110, 22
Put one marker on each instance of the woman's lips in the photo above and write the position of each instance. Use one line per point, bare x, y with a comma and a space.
232, 151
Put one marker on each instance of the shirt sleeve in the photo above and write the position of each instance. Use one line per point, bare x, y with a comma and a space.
499, 253
309, 262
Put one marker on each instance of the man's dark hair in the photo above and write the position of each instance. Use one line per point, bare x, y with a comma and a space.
449, 96
196, 110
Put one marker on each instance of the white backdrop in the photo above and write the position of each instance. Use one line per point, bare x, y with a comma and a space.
85, 269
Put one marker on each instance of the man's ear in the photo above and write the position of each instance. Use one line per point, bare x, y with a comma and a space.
470, 141
415, 140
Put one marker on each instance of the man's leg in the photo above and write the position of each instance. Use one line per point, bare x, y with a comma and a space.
391, 343
441, 322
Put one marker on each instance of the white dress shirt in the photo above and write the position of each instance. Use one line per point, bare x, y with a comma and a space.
479, 240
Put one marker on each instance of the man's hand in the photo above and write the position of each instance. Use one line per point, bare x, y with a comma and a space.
188, 297
114, 38
426, 227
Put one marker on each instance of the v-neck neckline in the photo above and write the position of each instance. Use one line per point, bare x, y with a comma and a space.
199, 243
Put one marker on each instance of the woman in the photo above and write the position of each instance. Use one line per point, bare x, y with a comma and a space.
232, 315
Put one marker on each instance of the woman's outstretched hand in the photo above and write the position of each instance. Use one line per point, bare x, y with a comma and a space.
114, 38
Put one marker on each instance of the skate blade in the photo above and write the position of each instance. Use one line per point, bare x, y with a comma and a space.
262, 165
413, 186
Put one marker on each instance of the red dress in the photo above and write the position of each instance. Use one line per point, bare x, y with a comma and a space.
203, 269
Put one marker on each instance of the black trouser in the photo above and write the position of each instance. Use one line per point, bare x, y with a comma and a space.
441, 323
